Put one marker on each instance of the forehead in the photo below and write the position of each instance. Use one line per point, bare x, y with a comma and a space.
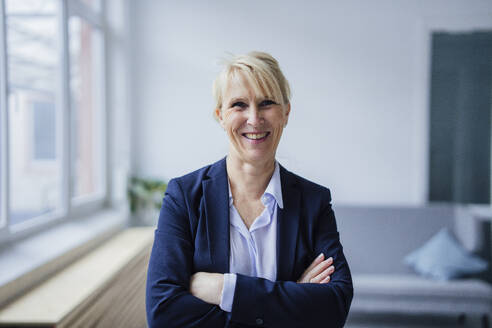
239, 86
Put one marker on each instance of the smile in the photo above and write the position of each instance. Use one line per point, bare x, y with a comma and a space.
256, 136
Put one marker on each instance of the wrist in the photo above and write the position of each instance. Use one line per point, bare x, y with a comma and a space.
220, 287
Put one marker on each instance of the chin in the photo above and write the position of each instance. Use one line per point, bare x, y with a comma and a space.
258, 157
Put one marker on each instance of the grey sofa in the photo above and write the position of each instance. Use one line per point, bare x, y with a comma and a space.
376, 239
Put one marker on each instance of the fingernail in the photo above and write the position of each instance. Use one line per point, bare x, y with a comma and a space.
330, 259
320, 256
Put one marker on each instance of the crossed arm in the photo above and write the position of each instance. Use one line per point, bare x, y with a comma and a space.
208, 286
176, 297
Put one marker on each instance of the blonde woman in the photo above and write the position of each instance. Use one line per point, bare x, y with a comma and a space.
244, 242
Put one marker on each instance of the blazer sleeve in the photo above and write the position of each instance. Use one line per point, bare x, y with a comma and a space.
260, 301
168, 300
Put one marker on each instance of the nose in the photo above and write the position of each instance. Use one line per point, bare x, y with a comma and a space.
254, 116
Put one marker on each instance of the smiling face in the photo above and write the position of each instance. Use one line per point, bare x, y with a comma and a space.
253, 122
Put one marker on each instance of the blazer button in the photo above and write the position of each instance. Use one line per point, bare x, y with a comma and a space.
259, 321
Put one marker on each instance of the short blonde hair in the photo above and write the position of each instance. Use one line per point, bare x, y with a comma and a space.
262, 72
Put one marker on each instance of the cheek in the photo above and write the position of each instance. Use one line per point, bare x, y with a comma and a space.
233, 122
279, 122
226, 121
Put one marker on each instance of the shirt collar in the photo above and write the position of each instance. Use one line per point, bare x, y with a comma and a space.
274, 187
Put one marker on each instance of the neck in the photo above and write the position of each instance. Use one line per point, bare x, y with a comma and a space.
249, 179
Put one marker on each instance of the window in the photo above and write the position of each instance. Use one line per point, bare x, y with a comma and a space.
52, 113
3, 125
94, 4
33, 66
86, 104
44, 125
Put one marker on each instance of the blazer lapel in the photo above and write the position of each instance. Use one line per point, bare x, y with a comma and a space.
216, 198
287, 226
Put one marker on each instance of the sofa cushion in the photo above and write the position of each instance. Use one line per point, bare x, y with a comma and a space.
443, 258
408, 293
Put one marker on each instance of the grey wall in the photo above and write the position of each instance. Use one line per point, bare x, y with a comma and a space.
377, 239
358, 71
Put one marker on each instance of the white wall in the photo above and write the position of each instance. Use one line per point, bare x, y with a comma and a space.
358, 71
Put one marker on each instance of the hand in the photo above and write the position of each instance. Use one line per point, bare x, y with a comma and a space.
319, 271
207, 286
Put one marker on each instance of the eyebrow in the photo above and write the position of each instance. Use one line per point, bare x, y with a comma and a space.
233, 100
259, 100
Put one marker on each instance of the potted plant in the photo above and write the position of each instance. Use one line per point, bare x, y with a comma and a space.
145, 197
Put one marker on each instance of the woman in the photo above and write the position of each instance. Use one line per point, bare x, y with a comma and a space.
244, 242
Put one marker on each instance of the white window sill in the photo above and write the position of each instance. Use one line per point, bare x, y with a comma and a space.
28, 262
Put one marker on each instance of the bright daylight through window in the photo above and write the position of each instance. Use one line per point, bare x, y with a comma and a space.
34, 110
86, 103
54, 114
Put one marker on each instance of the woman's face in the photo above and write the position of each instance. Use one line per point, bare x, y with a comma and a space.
253, 123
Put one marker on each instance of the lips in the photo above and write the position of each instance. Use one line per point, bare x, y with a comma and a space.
256, 135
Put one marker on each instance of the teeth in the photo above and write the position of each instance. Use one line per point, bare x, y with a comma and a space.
255, 135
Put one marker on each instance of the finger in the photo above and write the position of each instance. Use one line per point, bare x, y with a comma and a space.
324, 281
323, 275
319, 268
315, 262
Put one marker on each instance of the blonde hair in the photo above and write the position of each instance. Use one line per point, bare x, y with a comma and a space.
260, 70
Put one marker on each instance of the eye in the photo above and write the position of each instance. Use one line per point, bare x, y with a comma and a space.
267, 102
239, 105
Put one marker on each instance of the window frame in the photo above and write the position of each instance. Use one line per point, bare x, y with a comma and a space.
4, 178
72, 208
77, 8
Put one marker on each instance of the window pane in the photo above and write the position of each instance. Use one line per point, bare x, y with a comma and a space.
44, 130
2, 131
2, 150
33, 67
2, 218
86, 96
94, 4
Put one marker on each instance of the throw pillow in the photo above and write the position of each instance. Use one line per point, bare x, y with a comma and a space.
443, 258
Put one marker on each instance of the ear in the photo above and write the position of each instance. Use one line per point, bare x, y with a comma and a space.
218, 115
287, 112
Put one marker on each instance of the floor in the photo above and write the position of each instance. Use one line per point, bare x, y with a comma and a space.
389, 321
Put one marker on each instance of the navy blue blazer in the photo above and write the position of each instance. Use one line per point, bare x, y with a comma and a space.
192, 235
